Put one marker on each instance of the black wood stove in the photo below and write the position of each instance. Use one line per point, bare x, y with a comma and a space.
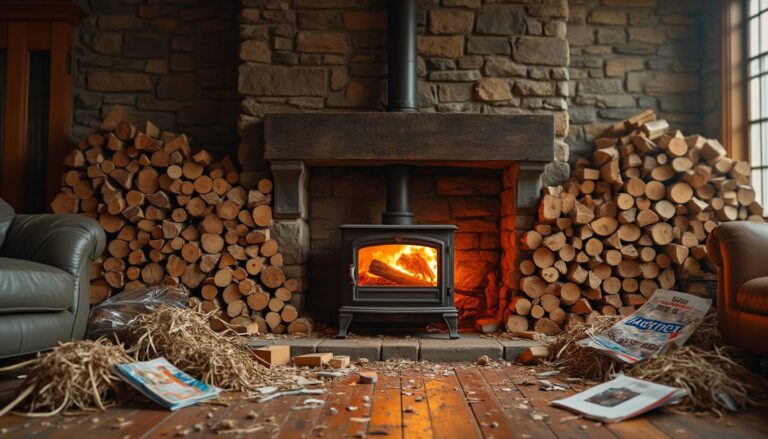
399, 271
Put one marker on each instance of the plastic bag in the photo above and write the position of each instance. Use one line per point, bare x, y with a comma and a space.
114, 314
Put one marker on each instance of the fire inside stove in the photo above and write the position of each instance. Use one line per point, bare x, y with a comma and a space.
397, 266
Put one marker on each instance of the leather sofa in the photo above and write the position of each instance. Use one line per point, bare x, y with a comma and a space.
45, 263
740, 250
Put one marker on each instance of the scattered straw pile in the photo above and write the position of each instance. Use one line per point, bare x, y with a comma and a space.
704, 373
184, 337
575, 360
74, 375
705, 366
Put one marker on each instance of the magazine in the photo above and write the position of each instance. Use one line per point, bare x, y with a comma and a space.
667, 318
163, 383
621, 398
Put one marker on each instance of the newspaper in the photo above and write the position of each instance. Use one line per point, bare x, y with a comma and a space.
621, 398
667, 318
163, 383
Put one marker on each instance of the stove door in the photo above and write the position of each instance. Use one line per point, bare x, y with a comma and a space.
403, 271
397, 265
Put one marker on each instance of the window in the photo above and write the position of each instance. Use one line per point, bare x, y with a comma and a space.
757, 82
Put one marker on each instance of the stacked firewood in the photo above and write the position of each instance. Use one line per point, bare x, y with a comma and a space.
177, 218
633, 219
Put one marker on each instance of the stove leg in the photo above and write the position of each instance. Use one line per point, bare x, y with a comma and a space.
344, 321
452, 320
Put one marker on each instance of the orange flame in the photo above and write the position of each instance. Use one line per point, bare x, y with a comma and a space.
416, 261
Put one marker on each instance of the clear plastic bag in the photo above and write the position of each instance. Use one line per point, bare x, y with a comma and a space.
113, 315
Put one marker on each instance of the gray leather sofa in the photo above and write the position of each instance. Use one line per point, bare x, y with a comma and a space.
45, 263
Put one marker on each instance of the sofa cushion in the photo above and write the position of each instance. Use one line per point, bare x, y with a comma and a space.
753, 296
6, 218
27, 286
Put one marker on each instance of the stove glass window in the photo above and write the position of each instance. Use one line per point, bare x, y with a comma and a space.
397, 265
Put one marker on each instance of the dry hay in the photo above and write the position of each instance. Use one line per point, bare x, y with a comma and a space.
704, 374
707, 336
704, 366
74, 375
185, 338
572, 359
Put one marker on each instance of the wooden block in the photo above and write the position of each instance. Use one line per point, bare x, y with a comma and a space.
276, 355
368, 377
533, 355
339, 362
312, 360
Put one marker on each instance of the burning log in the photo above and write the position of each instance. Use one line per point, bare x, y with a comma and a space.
383, 270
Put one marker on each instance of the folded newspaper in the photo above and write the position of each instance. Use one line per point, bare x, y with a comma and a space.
667, 318
621, 398
163, 383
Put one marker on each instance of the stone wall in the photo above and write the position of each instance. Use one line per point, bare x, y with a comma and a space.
169, 61
475, 56
630, 55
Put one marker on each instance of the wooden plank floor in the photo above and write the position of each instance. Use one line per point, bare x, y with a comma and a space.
466, 402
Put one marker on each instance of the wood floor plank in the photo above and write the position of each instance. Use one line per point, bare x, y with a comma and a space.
487, 409
671, 425
451, 416
743, 425
417, 423
563, 423
386, 413
299, 423
184, 420
515, 406
339, 397
272, 414
359, 392
637, 428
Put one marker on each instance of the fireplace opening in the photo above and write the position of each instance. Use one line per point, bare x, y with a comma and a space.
397, 265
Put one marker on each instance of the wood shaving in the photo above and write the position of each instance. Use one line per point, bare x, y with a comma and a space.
74, 375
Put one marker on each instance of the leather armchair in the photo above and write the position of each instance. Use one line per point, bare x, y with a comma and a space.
45, 263
740, 251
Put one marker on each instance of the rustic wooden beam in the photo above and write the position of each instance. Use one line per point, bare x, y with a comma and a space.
339, 139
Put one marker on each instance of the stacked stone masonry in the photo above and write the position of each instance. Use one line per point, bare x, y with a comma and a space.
631, 55
172, 62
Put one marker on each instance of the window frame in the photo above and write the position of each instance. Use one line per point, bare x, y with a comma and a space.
735, 88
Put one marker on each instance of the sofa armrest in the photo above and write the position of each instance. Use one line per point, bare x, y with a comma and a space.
61, 241
740, 251
68, 242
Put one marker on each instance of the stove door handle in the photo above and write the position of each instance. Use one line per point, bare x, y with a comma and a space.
352, 277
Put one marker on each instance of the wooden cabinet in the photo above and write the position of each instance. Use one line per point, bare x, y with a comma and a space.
35, 99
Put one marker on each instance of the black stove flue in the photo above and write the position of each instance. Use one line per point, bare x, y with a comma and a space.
399, 271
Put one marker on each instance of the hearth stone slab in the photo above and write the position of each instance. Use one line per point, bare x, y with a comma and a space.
405, 348
514, 348
299, 346
356, 348
437, 347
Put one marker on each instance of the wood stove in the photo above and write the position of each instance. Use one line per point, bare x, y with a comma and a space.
399, 271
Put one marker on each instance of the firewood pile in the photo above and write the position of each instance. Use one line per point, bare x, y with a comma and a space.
633, 219
177, 218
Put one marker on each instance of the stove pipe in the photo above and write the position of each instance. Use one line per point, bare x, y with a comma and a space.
401, 96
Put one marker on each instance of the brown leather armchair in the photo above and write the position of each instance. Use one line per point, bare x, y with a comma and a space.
740, 251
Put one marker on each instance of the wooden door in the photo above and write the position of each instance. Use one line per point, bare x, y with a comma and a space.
35, 99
